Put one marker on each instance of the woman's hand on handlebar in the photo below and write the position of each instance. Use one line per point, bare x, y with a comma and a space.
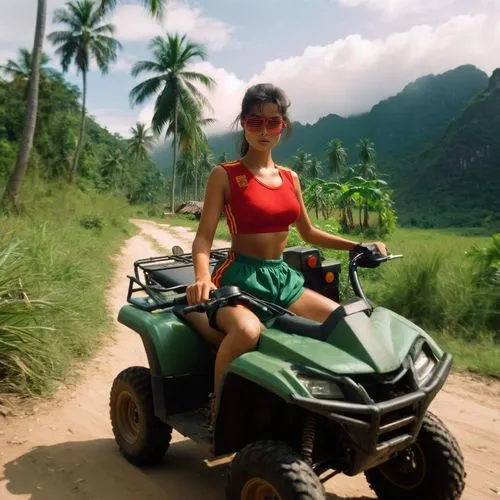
380, 247
199, 291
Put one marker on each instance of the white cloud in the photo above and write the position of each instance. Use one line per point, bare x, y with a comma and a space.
352, 74
396, 8
115, 120
123, 63
134, 24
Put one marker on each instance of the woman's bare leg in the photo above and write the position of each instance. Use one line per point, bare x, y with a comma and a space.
200, 322
313, 305
243, 329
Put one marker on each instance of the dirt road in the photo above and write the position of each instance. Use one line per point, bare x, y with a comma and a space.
63, 448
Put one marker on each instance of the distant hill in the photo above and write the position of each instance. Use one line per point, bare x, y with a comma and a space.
421, 110
418, 135
456, 181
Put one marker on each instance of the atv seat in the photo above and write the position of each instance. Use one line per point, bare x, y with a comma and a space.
175, 276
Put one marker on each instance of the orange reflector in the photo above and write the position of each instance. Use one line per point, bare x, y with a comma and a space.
329, 277
311, 261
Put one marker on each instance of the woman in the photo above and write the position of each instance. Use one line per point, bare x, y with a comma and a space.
260, 200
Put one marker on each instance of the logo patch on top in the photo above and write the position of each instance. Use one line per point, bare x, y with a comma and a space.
241, 180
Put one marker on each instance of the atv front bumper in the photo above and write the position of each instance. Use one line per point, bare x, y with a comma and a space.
377, 430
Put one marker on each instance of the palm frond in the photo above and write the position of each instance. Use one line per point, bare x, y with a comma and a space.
145, 90
146, 66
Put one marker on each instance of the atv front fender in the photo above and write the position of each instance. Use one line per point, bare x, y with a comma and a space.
271, 373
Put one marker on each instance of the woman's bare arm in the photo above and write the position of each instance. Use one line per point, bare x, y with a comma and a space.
202, 243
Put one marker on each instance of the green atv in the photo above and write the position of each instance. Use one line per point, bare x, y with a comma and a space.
349, 395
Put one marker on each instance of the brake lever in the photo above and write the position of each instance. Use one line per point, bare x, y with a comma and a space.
249, 301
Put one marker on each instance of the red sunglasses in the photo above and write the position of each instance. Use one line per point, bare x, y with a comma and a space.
273, 125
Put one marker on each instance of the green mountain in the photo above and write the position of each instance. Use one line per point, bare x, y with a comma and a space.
421, 110
419, 137
456, 181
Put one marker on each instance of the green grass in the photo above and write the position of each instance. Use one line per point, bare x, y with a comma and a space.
433, 285
58, 260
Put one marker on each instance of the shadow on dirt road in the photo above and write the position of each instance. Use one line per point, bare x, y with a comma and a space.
95, 470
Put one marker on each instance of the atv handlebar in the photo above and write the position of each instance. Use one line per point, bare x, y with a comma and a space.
365, 256
231, 295
360, 256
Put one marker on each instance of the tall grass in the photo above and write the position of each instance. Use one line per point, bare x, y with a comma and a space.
56, 263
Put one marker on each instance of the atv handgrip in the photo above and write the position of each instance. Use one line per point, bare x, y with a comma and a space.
201, 307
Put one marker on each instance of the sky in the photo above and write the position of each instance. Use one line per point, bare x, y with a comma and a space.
329, 56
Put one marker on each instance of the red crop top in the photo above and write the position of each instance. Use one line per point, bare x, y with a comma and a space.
254, 207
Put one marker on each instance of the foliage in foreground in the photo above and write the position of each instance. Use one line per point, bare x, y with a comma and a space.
53, 283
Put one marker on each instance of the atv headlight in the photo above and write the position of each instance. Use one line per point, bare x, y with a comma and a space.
320, 388
424, 364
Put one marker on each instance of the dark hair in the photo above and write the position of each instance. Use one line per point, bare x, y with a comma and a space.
260, 94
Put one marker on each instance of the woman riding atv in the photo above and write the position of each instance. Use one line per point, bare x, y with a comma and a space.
261, 200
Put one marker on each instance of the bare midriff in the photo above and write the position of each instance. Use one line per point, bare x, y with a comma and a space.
260, 245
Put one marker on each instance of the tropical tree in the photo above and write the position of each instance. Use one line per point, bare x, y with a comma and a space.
26, 143
87, 38
141, 142
366, 154
205, 164
191, 139
315, 196
222, 158
337, 193
336, 157
179, 101
366, 166
21, 69
113, 168
301, 162
315, 168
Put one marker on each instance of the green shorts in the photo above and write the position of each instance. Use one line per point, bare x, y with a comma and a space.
272, 280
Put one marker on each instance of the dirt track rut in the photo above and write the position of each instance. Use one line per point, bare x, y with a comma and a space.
63, 448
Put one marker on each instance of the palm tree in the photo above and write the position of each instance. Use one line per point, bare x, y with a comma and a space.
155, 7
222, 158
315, 168
205, 165
179, 100
21, 69
141, 142
191, 139
336, 157
113, 168
366, 155
366, 167
87, 37
26, 143
301, 162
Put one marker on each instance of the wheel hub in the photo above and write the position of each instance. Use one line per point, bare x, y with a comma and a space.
259, 489
407, 470
127, 417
